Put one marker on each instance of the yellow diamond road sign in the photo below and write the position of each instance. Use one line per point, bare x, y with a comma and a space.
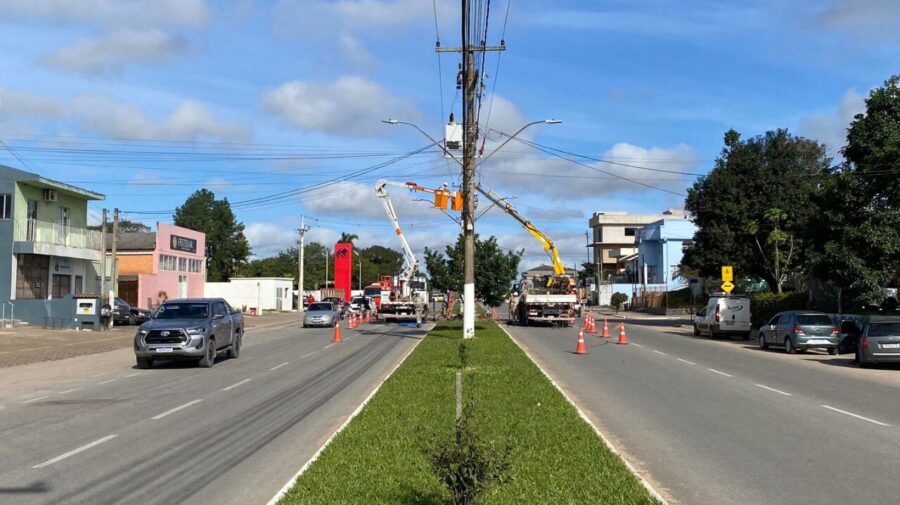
727, 286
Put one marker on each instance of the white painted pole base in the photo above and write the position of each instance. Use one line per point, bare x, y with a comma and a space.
469, 311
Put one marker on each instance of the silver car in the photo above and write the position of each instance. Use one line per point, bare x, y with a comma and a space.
320, 314
879, 342
800, 330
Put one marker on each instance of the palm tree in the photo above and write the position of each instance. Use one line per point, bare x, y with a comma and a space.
348, 237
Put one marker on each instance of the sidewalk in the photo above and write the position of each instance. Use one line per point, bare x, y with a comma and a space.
21, 346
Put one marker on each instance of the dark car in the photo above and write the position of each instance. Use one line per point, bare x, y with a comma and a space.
123, 313
879, 342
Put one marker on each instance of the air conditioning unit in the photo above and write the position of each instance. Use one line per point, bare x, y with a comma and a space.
49, 195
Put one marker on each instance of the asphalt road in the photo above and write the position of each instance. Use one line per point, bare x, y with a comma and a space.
709, 422
235, 433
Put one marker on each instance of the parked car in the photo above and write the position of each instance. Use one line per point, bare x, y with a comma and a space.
194, 328
848, 336
339, 305
361, 304
798, 330
123, 313
879, 342
320, 314
724, 315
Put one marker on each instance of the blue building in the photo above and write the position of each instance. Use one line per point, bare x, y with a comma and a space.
661, 246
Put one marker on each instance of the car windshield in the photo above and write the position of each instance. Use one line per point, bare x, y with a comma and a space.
320, 306
884, 330
814, 320
183, 311
358, 300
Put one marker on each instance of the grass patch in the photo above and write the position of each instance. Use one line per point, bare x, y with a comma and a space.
555, 456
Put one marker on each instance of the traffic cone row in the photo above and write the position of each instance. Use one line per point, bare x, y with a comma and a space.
581, 348
337, 333
623, 339
605, 333
593, 324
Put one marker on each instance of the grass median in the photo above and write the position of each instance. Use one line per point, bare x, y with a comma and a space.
555, 456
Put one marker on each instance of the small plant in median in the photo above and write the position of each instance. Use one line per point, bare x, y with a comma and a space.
467, 466
463, 355
617, 300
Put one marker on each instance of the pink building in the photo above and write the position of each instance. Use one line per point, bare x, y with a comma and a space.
155, 266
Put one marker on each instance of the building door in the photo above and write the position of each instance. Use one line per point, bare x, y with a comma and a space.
62, 285
128, 291
279, 296
32, 274
182, 286
31, 218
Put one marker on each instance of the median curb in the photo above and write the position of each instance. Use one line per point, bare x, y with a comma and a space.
647, 485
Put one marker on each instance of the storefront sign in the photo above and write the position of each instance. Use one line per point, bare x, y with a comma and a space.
183, 244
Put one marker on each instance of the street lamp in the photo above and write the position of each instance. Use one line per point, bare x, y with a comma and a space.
514, 135
392, 121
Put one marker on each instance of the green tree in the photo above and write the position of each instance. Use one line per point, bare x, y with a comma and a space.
125, 226
348, 237
761, 191
228, 249
857, 236
495, 269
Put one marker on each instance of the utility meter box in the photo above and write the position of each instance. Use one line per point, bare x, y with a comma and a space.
87, 312
453, 137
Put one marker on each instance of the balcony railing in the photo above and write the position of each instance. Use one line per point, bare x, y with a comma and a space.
45, 232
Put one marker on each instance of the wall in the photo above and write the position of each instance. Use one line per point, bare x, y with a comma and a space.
167, 280
244, 292
49, 211
132, 264
7, 260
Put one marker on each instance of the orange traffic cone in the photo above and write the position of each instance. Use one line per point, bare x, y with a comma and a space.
368, 317
337, 333
580, 348
605, 333
623, 339
593, 328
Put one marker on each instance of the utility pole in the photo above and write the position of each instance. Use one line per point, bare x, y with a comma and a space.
103, 261
303, 229
470, 83
114, 274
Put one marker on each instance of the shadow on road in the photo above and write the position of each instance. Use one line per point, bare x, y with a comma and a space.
35, 488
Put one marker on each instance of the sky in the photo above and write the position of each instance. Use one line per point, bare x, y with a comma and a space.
277, 105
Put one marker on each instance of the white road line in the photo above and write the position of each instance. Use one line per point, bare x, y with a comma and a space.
132, 375
851, 414
276, 367
229, 388
69, 391
107, 381
636, 345
176, 409
308, 354
329, 345
686, 361
83, 448
39, 398
713, 370
767, 388
660, 352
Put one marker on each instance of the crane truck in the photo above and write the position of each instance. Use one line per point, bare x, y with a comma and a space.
404, 297
548, 299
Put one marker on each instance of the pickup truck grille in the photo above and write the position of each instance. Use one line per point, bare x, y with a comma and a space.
172, 337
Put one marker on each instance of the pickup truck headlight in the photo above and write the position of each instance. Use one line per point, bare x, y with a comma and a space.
142, 332
196, 331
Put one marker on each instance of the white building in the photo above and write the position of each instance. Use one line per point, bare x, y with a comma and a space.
254, 295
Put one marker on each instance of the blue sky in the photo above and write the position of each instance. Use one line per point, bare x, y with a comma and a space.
148, 100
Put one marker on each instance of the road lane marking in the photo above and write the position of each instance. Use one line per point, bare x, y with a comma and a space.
236, 385
636, 345
686, 361
73, 452
713, 370
767, 388
660, 352
176, 409
132, 375
69, 391
107, 381
329, 345
276, 367
39, 398
851, 414
308, 354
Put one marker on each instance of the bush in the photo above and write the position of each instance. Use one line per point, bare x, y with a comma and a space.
617, 299
763, 306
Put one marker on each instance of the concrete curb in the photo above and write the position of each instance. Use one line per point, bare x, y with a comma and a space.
283, 491
649, 487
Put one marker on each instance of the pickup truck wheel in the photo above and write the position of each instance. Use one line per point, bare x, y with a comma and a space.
235, 351
144, 363
210, 358
131, 320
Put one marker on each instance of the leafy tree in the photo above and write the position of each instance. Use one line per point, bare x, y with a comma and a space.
228, 249
348, 237
588, 271
495, 269
760, 192
125, 226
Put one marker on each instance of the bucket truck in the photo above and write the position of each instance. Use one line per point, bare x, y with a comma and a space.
404, 297
547, 299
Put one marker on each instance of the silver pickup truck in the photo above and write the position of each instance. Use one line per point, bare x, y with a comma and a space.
194, 328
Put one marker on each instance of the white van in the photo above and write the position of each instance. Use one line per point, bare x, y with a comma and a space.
724, 315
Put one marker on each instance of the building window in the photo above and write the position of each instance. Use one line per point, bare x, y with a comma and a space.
79, 285
62, 285
182, 264
629, 232
32, 274
167, 262
6, 206
194, 266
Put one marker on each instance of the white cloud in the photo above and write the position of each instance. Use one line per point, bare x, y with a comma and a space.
358, 201
24, 105
217, 184
355, 54
869, 19
191, 120
111, 52
350, 106
643, 167
112, 13
146, 178
267, 239
320, 19
571, 247
831, 129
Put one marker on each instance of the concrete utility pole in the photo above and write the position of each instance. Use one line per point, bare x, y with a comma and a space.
103, 261
303, 229
114, 274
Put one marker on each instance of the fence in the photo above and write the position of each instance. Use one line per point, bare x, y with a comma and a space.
45, 232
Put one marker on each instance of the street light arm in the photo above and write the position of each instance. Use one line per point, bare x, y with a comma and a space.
423, 132
514, 135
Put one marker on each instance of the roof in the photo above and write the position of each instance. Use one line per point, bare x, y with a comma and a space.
133, 241
37, 180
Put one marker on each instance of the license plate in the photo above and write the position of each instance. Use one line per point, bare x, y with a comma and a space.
163, 349
814, 342
891, 346
729, 323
